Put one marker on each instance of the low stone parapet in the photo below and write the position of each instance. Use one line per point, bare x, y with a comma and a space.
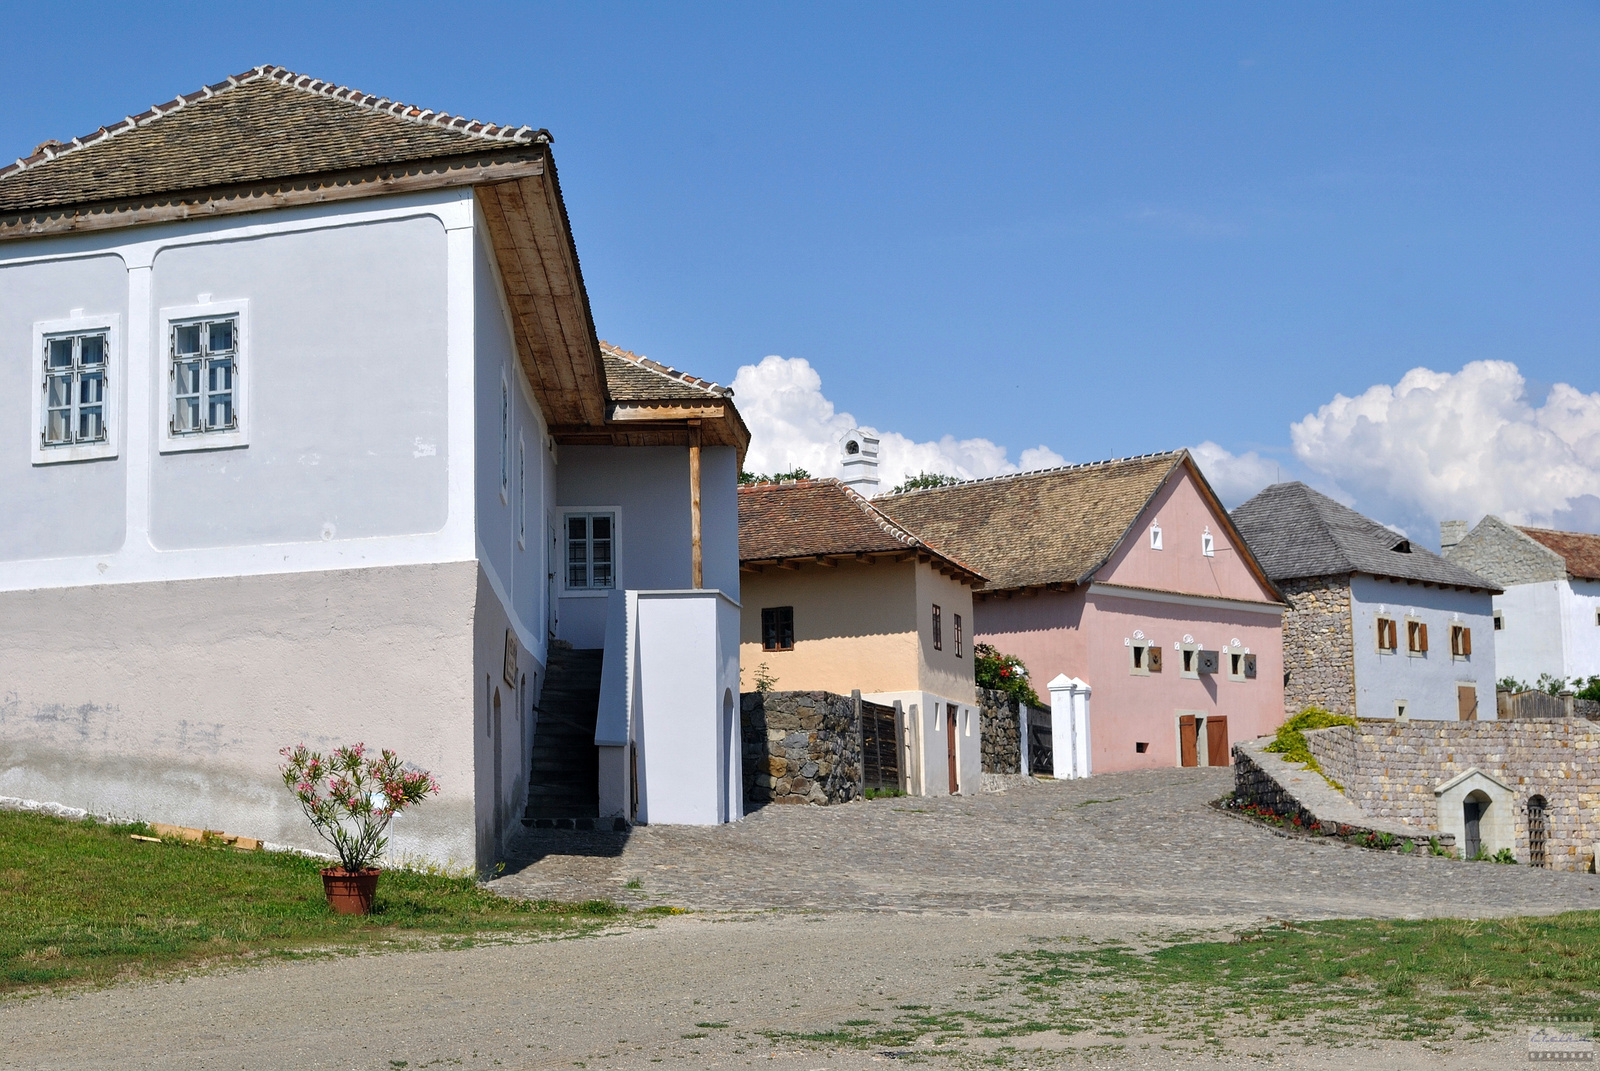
1269, 781
800, 747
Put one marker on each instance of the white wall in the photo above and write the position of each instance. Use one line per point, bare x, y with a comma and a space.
358, 367
1428, 682
931, 739
76, 508
648, 486
1581, 603
1531, 642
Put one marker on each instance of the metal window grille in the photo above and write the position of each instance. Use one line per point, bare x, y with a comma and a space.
203, 372
590, 541
1538, 832
777, 628
74, 385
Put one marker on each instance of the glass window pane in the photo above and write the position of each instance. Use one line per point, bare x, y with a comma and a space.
60, 352
187, 377
602, 527
602, 574
221, 376
91, 388
92, 349
58, 392
221, 339
186, 414
577, 575
58, 426
186, 339
220, 413
91, 426
577, 527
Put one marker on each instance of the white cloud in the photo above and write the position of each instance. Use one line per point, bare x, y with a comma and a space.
793, 425
1440, 445
1235, 477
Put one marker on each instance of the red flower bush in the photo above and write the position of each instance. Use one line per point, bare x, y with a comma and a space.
350, 799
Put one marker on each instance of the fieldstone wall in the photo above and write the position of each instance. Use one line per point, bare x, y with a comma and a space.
1498, 552
1389, 770
1318, 645
1000, 725
800, 747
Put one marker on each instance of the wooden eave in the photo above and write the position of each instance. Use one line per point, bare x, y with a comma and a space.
538, 262
793, 563
661, 424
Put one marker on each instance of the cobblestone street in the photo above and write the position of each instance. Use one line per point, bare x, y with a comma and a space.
1143, 844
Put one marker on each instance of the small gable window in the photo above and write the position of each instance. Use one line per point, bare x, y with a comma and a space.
1208, 544
1155, 536
777, 628
1500, 621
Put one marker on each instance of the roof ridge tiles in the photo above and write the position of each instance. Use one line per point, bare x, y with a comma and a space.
305, 83
1022, 473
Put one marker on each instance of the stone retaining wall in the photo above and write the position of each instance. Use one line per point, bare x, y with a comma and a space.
1390, 769
1000, 726
800, 747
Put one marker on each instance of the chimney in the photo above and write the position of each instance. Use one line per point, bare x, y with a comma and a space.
858, 456
1451, 533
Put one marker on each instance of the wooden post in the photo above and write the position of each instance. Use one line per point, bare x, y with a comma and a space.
696, 574
861, 746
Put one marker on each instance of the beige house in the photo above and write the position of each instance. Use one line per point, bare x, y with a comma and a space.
839, 597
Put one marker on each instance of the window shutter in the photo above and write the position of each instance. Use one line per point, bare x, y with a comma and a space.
1152, 659
1466, 642
1422, 637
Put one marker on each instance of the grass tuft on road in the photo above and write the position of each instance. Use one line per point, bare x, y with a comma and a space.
83, 903
1334, 982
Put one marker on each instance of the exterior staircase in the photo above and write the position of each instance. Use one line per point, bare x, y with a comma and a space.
564, 776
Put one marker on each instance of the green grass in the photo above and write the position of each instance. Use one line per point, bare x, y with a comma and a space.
82, 903
1336, 982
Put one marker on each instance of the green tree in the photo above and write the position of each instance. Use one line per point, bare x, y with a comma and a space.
923, 480
761, 477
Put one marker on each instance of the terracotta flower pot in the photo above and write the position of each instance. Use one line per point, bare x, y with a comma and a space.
350, 892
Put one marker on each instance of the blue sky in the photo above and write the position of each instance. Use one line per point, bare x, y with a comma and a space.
1105, 229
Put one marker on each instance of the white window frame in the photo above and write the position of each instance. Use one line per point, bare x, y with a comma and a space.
616, 551
522, 492
116, 368
243, 370
1208, 543
1155, 535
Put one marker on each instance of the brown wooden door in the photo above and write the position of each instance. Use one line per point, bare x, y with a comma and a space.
950, 741
1217, 742
1187, 754
1467, 702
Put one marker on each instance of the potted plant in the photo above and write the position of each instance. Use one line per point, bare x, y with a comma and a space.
350, 800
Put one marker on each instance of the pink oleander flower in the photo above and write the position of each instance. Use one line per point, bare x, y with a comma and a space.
350, 798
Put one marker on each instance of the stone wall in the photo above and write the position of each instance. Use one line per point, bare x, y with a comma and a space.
1498, 552
1000, 726
1389, 770
1318, 645
800, 747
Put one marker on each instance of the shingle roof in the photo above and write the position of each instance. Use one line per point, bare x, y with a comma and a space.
267, 123
1581, 550
812, 518
631, 377
1029, 529
1297, 532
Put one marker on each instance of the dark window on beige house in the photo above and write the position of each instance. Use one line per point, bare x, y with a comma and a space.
958, 635
938, 628
777, 628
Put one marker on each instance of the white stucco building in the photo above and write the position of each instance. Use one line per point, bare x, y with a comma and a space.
1548, 618
306, 434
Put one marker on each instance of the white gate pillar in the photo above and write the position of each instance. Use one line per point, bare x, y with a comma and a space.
1069, 726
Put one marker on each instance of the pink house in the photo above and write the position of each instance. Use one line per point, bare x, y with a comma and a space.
1128, 576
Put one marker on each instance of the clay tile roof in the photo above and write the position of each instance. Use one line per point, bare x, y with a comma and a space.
265, 124
1581, 550
631, 377
810, 518
1296, 532
1029, 529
